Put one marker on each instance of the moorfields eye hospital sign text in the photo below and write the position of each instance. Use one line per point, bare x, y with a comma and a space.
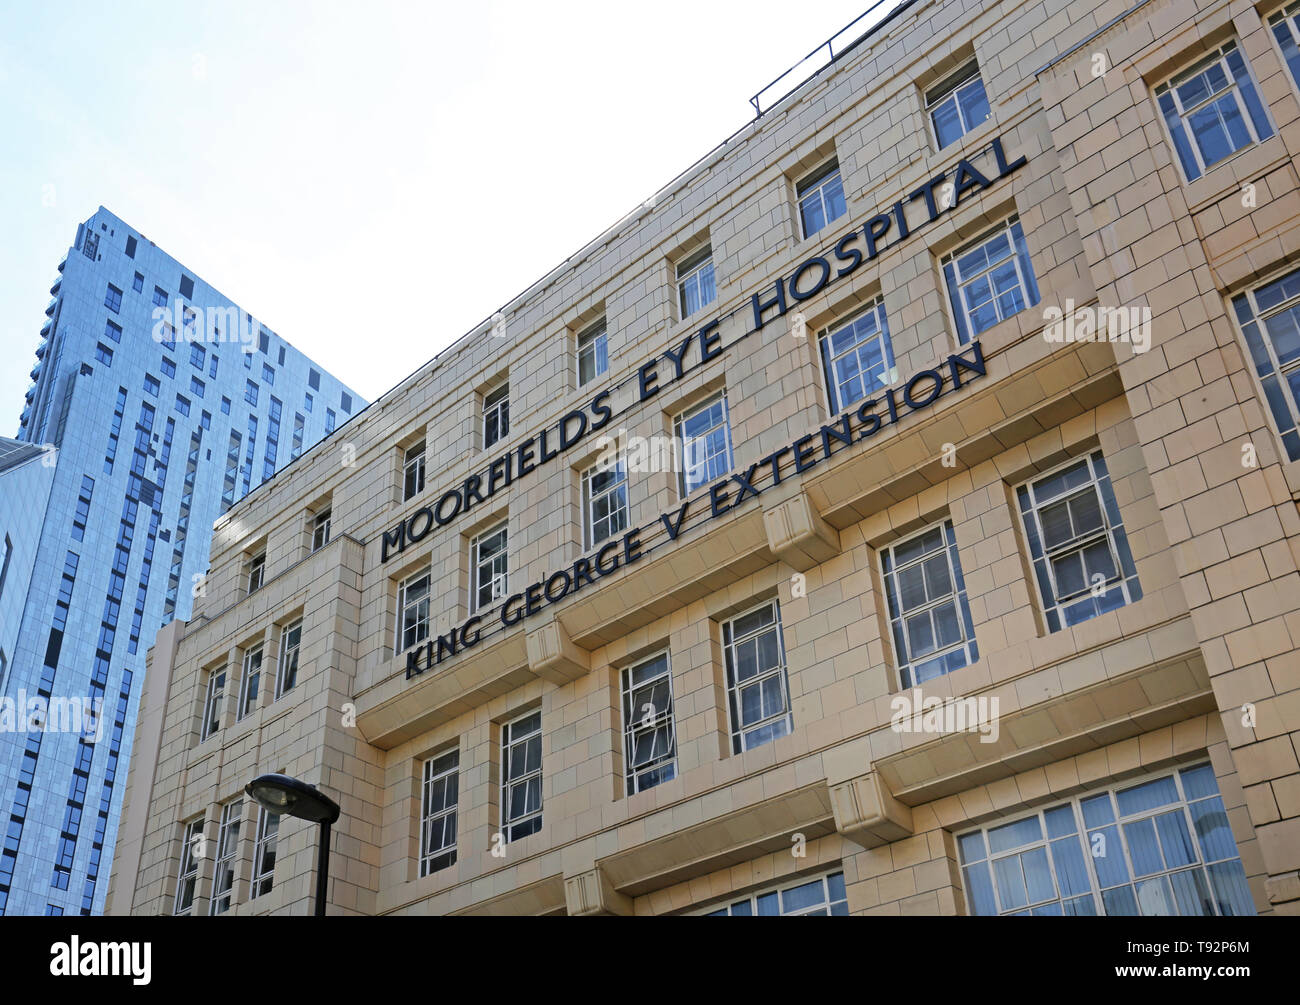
851, 251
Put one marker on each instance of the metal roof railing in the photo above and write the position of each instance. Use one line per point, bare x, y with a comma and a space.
824, 55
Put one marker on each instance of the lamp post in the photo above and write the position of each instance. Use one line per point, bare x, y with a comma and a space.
280, 794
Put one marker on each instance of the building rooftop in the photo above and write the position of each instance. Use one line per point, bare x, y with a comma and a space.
14, 453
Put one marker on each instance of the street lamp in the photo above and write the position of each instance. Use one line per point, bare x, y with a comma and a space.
280, 794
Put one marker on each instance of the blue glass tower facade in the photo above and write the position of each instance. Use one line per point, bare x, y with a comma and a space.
26, 474
165, 402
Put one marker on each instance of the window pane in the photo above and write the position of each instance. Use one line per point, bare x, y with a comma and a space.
1011, 883
1155, 898
979, 890
803, 896
813, 217
1108, 856
1210, 131
1143, 849
1191, 893
1232, 894
947, 628
1175, 841
920, 635
834, 195
911, 583
1056, 524
746, 659
1120, 902
1212, 830
971, 847
1098, 561
1060, 822
1038, 875
1199, 782
937, 581
947, 123
1160, 792
1284, 329
751, 704
1014, 835
1071, 868
974, 103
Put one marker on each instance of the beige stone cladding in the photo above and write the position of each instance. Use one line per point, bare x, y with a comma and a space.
1199, 665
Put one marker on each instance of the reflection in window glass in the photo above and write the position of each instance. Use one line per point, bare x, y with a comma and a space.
1160, 847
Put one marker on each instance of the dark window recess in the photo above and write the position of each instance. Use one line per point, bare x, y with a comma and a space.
53, 648
264, 342
130, 247
137, 284
187, 287
313, 379
346, 403
91, 246
282, 355
4, 565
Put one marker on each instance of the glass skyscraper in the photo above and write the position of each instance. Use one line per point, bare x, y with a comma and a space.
156, 402
26, 474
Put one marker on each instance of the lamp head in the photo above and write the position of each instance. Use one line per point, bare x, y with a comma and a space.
283, 795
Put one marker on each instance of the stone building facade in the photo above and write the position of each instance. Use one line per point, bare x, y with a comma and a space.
823, 556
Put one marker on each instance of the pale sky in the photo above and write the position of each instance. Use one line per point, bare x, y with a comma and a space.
348, 173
